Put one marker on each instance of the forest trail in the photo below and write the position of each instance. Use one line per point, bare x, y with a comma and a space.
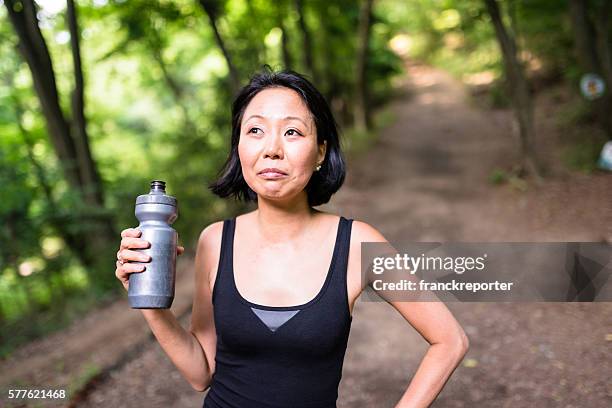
424, 179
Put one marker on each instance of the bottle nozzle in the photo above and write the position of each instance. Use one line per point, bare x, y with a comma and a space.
158, 187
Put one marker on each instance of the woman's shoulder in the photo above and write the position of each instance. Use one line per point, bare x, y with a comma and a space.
209, 243
362, 231
212, 234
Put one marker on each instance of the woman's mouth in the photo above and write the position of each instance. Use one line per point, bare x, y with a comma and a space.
271, 175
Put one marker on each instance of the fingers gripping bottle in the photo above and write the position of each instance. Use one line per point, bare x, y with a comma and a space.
154, 288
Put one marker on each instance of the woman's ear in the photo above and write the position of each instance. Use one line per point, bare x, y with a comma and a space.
322, 151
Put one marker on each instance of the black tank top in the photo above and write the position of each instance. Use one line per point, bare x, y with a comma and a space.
280, 356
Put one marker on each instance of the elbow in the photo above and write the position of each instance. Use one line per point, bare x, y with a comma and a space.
455, 346
201, 386
201, 379
202, 383
461, 344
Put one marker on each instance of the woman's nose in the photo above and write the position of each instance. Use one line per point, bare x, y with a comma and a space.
273, 147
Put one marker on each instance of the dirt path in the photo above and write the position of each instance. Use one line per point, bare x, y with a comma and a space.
425, 179
90, 347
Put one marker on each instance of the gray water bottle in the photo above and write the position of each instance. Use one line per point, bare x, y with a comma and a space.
154, 288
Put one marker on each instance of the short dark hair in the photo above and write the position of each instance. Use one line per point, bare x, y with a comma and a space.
323, 183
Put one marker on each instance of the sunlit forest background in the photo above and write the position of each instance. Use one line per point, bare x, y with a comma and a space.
99, 97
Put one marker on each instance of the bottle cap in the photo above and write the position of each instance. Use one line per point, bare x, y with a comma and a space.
157, 195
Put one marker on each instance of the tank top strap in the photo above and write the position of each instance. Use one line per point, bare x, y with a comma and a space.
223, 280
341, 256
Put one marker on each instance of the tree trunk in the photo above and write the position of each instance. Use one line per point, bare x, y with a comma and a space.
602, 24
101, 230
604, 47
592, 49
34, 50
330, 83
92, 185
519, 91
75, 243
257, 40
287, 60
361, 109
75, 157
584, 36
210, 8
306, 39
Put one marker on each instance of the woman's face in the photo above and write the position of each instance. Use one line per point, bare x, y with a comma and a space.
278, 132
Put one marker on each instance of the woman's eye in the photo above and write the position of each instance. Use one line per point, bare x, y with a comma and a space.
253, 130
293, 132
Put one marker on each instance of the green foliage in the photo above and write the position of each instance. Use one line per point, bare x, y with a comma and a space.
498, 176
86, 374
157, 102
582, 153
498, 97
512, 178
383, 64
576, 112
459, 36
357, 144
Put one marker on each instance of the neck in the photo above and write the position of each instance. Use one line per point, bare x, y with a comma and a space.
280, 221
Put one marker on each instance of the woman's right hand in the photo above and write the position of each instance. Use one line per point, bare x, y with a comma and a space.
130, 240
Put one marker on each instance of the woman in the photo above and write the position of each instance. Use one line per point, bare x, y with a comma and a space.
275, 288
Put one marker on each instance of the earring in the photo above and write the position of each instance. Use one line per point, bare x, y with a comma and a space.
318, 167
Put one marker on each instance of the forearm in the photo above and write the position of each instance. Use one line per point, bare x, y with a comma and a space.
180, 345
436, 367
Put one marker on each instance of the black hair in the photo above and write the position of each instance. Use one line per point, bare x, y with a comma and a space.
323, 183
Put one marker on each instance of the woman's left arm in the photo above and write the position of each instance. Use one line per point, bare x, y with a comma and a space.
448, 345
432, 319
